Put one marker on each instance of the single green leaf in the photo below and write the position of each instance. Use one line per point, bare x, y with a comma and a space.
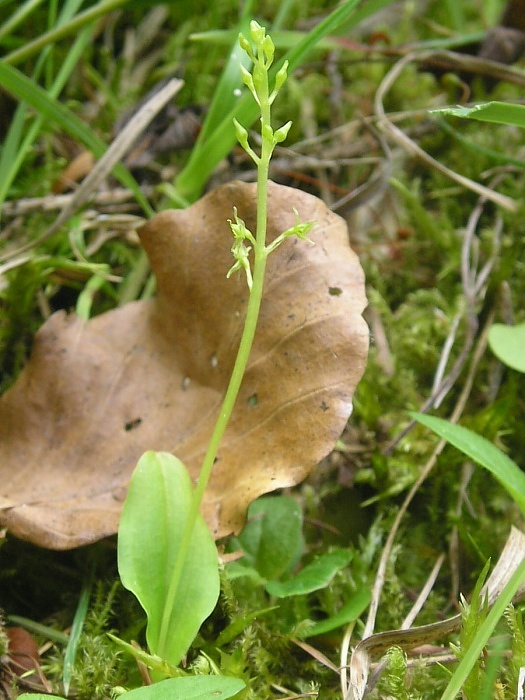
350, 611
239, 569
59, 30
75, 634
508, 344
313, 577
494, 112
272, 539
482, 452
190, 688
281, 39
149, 539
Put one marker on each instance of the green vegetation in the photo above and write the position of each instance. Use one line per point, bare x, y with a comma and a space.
434, 205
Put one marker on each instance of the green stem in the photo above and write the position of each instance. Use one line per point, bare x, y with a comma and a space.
261, 253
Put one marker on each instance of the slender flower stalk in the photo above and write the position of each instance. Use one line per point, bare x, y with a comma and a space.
261, 53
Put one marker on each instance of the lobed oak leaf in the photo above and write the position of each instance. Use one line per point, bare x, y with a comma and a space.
151, 375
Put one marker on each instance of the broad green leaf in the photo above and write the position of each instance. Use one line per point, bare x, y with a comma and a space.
495, 112
313, 577
272, 539
149, 540
350, 611
482, 452
508, 344
191, 688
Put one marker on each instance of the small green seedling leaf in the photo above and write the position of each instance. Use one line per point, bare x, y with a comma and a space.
313, 577
191, 688
272, 539
235, 628
350, 611
150, 537
495, 112
482, 452
154, 663
508, 344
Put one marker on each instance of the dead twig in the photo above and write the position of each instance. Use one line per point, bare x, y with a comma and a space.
54, 202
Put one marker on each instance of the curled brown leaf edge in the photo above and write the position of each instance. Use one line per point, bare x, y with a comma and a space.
151, 375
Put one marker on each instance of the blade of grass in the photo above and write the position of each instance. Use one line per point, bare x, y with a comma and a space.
287, 39
14, 151
25, 89
76, 631
40, 629
482, 452
485, 631
18, 17
59, 32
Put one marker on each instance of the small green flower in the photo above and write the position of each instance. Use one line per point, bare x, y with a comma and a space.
247, 79
280, 134
246, 46
239, 249
242, 138
257, 33
262, 53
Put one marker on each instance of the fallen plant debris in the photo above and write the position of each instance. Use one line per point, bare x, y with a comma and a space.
408, 638
150, 375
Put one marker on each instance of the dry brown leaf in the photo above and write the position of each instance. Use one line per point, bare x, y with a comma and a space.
151, 375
